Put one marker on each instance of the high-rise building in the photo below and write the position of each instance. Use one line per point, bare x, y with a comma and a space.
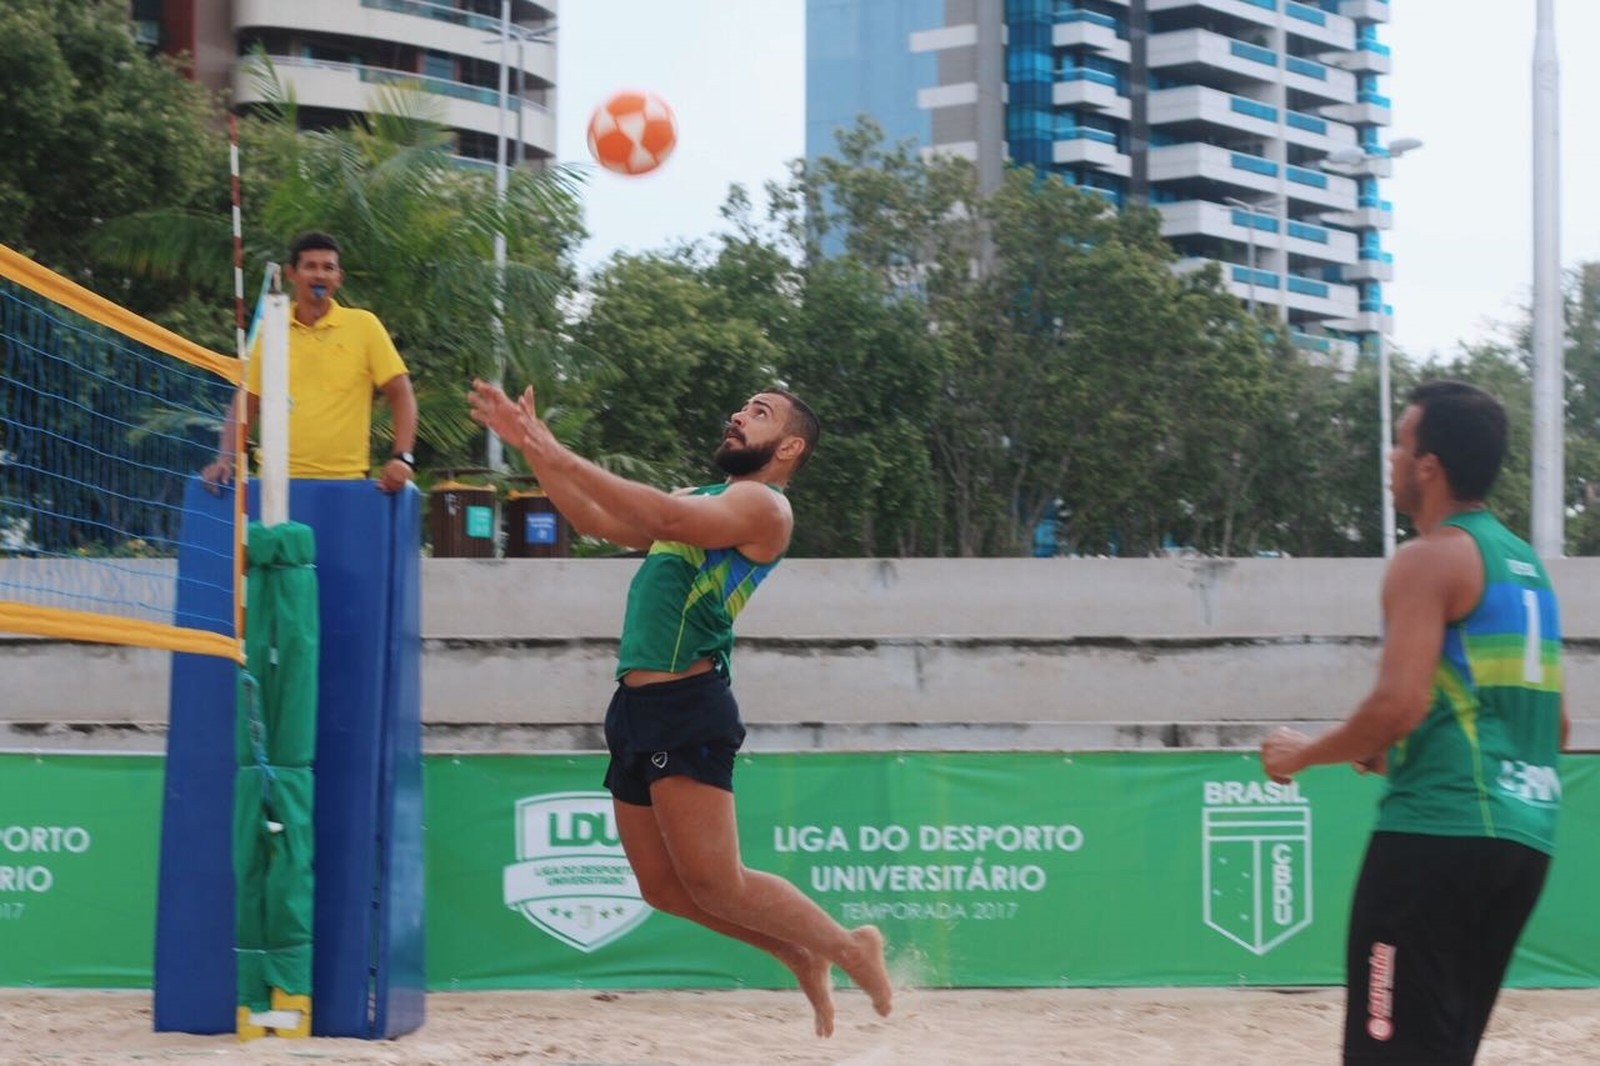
335, 54
1254, 126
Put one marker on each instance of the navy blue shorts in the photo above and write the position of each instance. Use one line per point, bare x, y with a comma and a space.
688, 727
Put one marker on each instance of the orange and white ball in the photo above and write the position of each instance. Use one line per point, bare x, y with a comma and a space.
632, 133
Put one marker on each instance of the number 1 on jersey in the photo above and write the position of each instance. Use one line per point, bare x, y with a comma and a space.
1533, 646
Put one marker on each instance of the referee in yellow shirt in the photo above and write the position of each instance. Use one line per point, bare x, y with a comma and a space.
338, 357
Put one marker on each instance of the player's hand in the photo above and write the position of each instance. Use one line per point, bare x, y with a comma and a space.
540, 440
217, 473
496, 412
1282, 754
394, 476
515, 422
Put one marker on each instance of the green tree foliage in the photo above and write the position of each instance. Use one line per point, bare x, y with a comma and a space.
674, 356
418, 232
1583, 410
871, 369
1069, 360
974, 358
95, 129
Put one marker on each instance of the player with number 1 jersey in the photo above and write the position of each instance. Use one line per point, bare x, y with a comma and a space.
1483, 761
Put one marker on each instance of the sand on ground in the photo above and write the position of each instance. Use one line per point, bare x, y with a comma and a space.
1010, 1027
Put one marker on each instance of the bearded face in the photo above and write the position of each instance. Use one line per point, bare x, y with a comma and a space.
737, 459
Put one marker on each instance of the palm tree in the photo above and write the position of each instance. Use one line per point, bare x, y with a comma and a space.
418, 230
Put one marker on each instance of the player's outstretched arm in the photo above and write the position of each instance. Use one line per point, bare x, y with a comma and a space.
516, 423
748, 516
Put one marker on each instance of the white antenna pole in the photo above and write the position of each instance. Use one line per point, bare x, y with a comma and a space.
1548, 505
275, 405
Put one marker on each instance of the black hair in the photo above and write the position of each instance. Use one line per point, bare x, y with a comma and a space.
803, 423
1465, 428
312, 240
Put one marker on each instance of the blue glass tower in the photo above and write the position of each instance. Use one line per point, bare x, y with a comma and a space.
1255, 127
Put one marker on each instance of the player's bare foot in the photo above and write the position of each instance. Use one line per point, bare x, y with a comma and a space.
864, 963
815, 975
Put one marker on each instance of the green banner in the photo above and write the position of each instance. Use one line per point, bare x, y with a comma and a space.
983, 869
993, 869
79, 841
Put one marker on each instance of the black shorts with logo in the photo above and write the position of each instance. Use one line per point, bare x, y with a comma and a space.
1432, 927
689, 726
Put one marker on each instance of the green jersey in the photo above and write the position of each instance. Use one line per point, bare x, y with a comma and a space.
1483, 761
682, 603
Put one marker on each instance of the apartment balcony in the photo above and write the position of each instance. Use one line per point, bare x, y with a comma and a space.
1090, 29
1292, 292
435, 26
1315, 24
1373, 112
1359, 321
1319, 80
1371, 266
1380, 216
1316, 132
1098, 93
1365, 10
1311, 298
1263, 229
1095, 148
1260, 13
1338, 351
1196, 103
934, 97
944, 38
1188, 53
1315, 298
351, 87
1239, 170
1368, 57
1370, 166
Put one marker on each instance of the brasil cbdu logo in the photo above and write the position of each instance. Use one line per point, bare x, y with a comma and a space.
1257, 878
571, 878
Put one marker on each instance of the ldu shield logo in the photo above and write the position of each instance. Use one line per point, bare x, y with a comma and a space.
572, 879
1258, 873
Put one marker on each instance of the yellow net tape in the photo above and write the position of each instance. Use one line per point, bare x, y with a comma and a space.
105, 420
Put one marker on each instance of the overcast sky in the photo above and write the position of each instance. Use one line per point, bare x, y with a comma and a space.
734, 72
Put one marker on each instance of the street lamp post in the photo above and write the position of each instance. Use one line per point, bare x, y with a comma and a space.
1352, 158
1250, 242
1385, 442
1548, 505
1250, 256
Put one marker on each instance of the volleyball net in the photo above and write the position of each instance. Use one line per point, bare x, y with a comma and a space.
106, 419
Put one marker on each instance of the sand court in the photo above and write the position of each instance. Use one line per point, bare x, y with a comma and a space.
1020, 1027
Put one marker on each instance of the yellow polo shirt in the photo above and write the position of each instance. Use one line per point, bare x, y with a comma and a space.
334, 368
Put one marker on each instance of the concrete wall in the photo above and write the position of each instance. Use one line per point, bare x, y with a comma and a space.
875, 654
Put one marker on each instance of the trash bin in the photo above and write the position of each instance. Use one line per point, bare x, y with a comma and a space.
461, 517
534, 528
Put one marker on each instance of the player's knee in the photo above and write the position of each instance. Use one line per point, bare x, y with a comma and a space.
665, 894
712, 894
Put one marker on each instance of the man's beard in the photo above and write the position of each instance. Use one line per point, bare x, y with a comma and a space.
738, 460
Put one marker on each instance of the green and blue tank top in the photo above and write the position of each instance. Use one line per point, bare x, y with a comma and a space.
1483, 761
682, 603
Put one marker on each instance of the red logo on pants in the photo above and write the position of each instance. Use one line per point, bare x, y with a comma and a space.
1380, 991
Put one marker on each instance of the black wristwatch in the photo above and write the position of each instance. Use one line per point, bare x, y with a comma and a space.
406, 458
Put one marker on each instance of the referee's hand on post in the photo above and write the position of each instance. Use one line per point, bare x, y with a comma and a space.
397, 472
